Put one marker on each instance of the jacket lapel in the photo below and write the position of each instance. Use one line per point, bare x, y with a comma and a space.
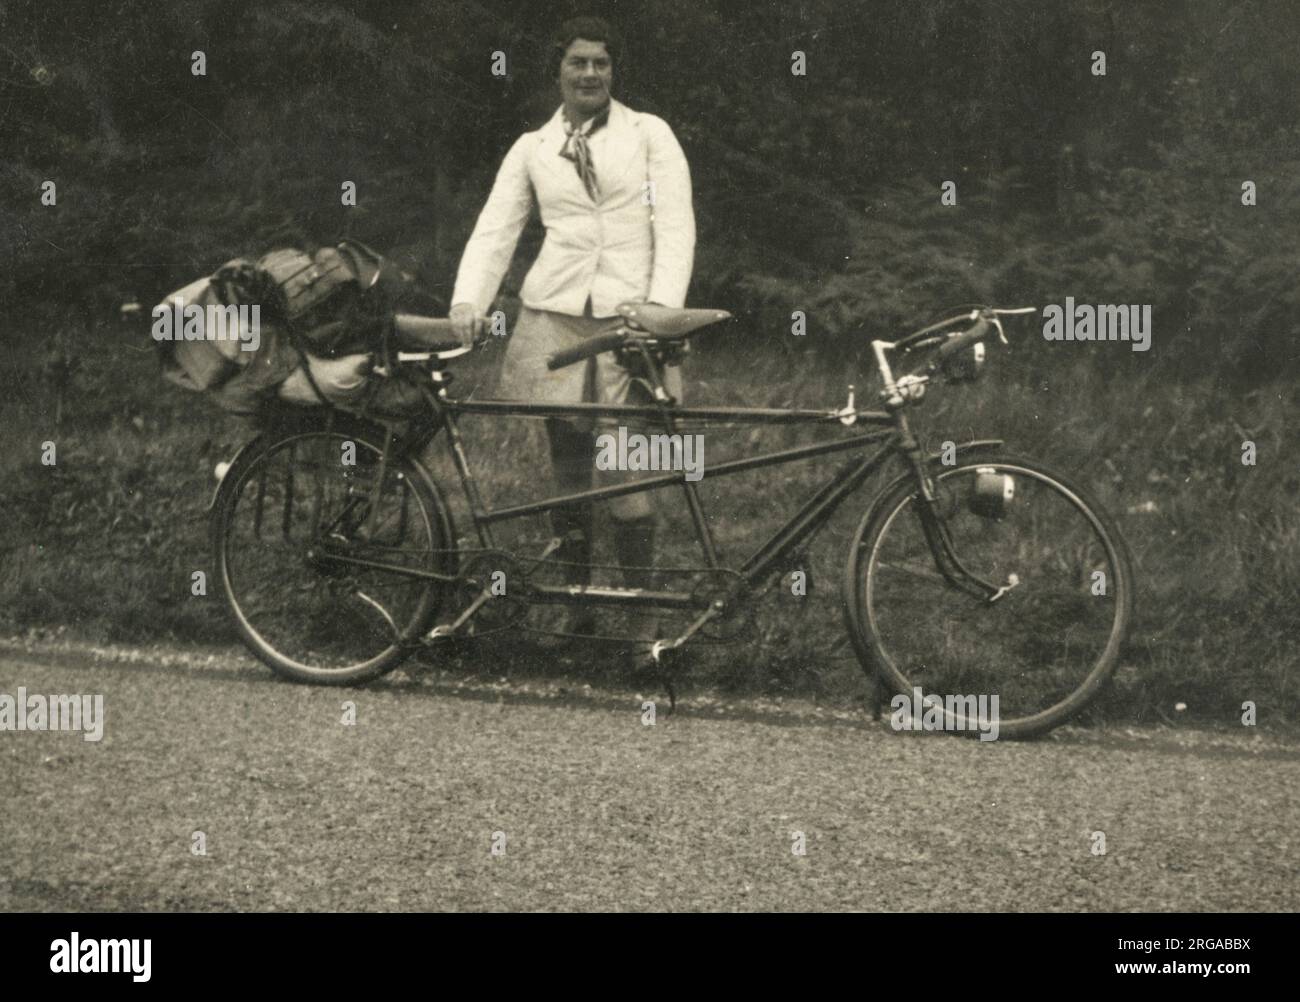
548, 153
621, 148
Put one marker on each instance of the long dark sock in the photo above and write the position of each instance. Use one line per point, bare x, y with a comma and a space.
634, 542
571, 465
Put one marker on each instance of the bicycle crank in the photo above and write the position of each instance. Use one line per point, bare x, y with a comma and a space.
496, 597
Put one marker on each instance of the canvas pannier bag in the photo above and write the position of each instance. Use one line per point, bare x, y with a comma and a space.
318, 319
315, 290
201, 362
342, 381
346, 382
318, 289
210, 339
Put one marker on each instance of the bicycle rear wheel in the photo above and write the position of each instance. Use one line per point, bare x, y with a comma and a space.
314, 557
1033, 611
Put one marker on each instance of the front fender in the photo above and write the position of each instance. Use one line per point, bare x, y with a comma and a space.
973, 445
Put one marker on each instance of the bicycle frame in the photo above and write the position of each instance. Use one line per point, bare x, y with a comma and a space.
891, 432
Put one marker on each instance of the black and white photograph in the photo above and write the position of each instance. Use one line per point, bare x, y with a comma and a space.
825, 457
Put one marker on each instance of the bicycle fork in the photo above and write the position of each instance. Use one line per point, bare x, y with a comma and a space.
935, 529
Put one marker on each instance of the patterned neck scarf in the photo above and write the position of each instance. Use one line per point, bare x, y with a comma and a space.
575, 148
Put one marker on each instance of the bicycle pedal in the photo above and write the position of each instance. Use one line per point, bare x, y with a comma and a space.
665, 654
554, 544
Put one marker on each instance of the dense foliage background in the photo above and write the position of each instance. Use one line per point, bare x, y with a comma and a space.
818, 192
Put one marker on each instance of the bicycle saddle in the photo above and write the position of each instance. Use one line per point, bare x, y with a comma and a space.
665, 321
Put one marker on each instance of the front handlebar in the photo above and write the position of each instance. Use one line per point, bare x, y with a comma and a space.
934, 333
960, 342
982, 320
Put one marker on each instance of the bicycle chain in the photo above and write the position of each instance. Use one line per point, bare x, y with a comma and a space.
479, 564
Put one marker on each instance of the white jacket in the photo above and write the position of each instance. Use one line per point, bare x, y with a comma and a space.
637, 243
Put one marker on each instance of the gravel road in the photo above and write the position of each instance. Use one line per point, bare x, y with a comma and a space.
601, 812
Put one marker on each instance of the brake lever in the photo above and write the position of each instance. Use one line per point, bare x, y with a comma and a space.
996, 315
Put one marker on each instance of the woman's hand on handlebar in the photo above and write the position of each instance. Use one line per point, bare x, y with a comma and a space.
466, 323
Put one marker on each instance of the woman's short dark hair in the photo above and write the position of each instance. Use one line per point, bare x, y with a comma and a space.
593, 29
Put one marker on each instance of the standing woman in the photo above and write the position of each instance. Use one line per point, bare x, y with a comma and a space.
614, 192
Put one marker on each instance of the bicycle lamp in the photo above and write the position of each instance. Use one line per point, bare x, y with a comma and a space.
992, 493
964, 366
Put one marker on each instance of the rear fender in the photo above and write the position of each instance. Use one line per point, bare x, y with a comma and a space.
212, 503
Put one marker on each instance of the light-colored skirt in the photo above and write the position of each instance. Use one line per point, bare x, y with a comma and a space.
539, 334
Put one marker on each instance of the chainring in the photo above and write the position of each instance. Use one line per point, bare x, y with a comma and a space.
736, 617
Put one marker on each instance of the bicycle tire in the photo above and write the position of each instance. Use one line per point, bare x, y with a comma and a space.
423, 599
872, 640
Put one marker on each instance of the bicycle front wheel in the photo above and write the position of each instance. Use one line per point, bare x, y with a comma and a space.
1007, 599
320, 564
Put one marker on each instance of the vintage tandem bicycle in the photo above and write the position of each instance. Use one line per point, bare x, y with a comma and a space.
978, 571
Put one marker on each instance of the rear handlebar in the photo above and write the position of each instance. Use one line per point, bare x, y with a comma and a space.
594, 346
424, 332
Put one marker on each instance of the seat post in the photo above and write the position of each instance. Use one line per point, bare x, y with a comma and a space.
665, 403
